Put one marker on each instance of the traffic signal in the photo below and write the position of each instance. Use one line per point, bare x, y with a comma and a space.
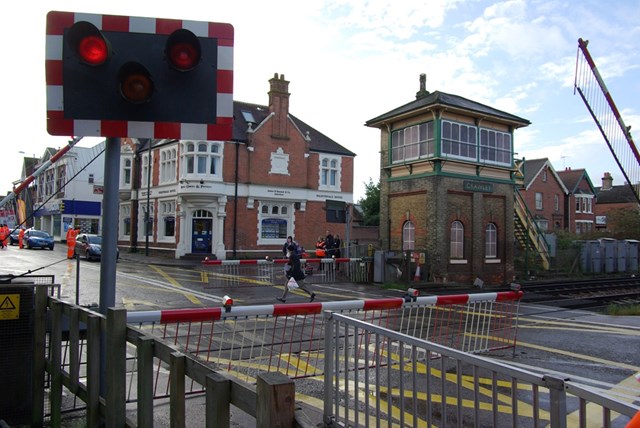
118, 76
61, 207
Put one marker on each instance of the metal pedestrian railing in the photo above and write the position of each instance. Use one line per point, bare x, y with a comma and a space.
288, 338
251, 273
374, 376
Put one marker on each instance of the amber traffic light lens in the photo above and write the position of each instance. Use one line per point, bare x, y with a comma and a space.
136, 85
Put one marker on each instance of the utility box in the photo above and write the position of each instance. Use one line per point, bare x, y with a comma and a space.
16, 358
608, 251
632, 255
622, 253
378, 267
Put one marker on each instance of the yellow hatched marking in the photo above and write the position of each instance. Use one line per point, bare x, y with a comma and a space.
191, 297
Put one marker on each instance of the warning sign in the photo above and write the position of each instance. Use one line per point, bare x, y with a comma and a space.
9, 306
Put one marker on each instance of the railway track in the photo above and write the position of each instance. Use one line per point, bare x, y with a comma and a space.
584, 294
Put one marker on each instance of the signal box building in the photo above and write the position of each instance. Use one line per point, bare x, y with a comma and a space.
276, 177
447, 185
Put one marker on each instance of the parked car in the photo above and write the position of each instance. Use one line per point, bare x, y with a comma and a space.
90, 246
13, 238
38, 239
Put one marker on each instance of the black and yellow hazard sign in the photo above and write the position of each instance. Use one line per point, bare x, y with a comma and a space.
9, 306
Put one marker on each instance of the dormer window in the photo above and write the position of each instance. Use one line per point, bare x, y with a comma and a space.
248, 116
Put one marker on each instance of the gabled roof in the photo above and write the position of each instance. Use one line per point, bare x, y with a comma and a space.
616, 195
572, 178
533, 168
319, 142
455, 102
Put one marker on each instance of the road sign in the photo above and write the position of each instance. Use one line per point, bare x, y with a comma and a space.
121, 76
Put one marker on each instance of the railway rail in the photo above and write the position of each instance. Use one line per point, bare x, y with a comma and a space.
584, 293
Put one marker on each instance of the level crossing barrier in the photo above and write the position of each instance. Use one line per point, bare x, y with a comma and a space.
374, 376
251, 273
288, 338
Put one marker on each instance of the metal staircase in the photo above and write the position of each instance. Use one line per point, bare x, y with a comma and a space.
526, 230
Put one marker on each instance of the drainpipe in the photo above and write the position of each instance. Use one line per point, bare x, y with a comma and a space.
235, 203
146, 215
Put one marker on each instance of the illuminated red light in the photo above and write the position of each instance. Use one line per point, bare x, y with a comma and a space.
93, 50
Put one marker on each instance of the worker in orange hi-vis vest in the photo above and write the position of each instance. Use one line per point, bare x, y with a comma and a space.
634, 422
21, 238
71, 241
7, 232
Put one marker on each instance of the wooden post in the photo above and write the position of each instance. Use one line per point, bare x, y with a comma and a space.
116, 367
218, 412
145, 381
276, 401
177, 364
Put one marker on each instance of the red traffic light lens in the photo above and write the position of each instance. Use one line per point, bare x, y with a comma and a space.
183, 50
136, 85
88, 43
93, 49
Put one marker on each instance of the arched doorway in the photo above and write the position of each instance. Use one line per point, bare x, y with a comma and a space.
201, 232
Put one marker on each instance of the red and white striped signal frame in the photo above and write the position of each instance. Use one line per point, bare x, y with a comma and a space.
57, 124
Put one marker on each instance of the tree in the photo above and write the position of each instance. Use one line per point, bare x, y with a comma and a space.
624, 223
371, 204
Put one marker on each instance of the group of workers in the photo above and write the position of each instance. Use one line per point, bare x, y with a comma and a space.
72, 233
328, 246
4, 236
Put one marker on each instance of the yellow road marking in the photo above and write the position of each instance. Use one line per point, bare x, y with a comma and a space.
593, 414
603, 361
191, 297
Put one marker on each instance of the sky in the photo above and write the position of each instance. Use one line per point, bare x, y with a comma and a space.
349, 61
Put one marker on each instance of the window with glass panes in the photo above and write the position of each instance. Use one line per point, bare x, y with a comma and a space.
202, 159
459, 140
168, 213
491, 241
168, 165
413, 142
495, 147
408, 236
274, 220
457, 240
330, 172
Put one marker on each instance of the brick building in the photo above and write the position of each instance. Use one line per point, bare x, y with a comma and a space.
544, 194
610, 197
580, 201
278, 176
447, 183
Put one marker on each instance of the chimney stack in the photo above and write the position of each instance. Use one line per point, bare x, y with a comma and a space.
279, 105
423, 87
607, 181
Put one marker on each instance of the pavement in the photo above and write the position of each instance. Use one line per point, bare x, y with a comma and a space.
141, 257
